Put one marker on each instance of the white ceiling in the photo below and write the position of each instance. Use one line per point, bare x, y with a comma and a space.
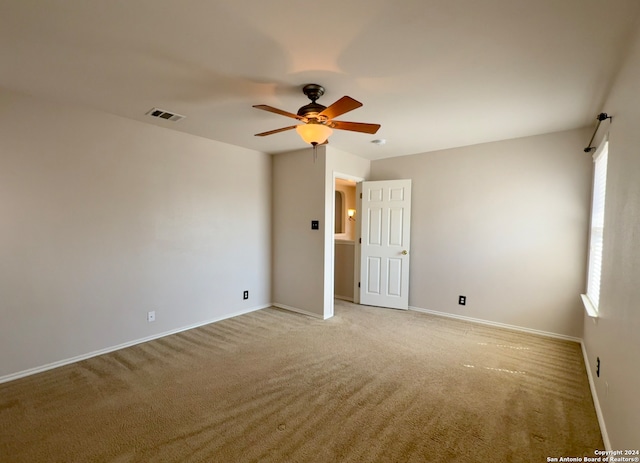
435, 73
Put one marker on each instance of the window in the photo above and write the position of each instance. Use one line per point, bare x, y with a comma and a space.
592, 298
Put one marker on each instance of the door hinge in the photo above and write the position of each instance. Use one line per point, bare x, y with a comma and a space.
358, 284
360, 195
360, 240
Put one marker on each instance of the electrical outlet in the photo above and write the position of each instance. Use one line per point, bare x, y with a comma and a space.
151, 316
462, 300
315, 225
245, 295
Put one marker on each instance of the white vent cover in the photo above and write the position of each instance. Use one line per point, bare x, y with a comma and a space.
162, 114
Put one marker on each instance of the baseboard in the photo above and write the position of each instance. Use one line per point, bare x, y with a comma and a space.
78, 358
596, 401
297, 310
344, 298
498, 325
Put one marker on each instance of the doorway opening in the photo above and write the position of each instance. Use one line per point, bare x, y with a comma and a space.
345, 222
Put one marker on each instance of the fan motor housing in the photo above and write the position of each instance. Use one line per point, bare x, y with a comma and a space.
310, 110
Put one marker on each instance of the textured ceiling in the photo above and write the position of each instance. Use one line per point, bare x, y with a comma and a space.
435, 73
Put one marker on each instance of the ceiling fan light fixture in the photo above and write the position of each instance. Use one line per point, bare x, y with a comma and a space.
314, 134
319, 120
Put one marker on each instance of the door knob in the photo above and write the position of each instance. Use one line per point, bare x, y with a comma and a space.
405, 252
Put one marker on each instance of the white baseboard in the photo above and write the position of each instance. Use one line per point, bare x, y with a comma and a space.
297, 310
50, 366
596, 401
499, 325
78, 358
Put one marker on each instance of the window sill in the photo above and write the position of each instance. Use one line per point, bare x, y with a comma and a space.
588, 306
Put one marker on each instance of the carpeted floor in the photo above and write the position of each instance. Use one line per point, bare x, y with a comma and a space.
369, 385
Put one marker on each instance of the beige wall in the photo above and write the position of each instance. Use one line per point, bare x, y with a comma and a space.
298, 251
505, 225
615, 336
303, 259
344, 265
103, 219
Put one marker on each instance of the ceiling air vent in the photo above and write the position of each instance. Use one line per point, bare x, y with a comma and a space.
162, 114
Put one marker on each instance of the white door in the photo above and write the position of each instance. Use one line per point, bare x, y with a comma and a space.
385, 243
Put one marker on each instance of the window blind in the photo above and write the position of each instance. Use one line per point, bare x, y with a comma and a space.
597, 224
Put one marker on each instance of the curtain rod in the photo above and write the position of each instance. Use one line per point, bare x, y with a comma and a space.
601, 117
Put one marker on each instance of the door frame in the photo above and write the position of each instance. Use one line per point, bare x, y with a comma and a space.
331, 228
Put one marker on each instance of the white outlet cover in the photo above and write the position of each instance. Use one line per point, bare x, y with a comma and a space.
151, 316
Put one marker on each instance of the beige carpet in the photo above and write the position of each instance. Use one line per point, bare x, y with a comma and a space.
369, 385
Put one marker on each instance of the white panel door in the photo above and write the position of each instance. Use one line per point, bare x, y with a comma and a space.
385, 241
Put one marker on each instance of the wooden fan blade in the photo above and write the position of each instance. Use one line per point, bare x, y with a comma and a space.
271, 132
355, 126
271, 109
343, 105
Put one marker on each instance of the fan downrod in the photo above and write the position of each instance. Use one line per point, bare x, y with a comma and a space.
313, 91
311, 110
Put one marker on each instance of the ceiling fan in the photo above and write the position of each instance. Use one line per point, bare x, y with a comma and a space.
318, 120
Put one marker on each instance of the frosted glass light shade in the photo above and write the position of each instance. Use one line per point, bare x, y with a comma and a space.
314, 134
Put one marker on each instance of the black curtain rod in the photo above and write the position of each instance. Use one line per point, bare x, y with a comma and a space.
601, 117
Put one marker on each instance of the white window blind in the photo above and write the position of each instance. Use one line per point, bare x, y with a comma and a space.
597, 224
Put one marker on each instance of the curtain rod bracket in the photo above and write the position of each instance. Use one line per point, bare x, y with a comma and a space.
601, 117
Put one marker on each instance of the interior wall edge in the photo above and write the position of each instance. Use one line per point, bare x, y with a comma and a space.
300, 311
